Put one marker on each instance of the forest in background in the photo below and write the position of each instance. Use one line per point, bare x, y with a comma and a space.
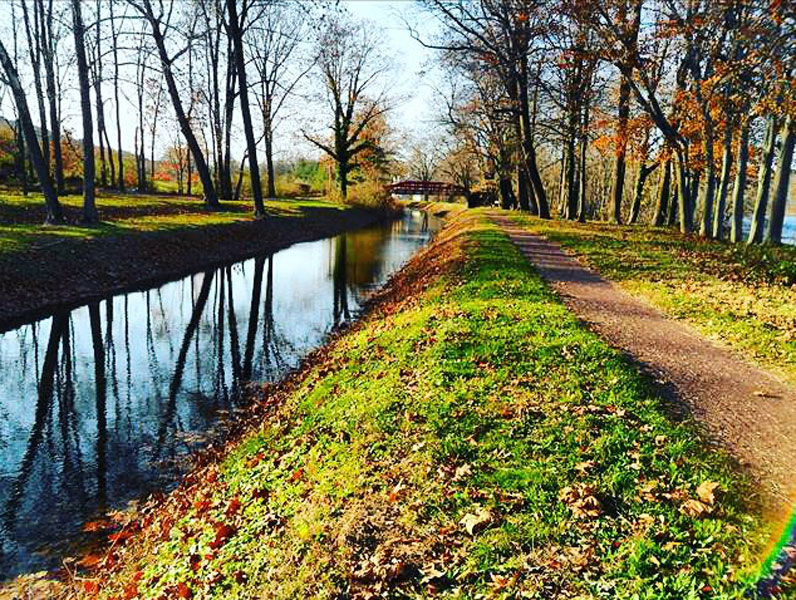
677, 112
667, 112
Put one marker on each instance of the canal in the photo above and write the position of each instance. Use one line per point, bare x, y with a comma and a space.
101, 404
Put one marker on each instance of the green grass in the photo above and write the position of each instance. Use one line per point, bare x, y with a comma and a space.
742, 296
481, 401
21, 217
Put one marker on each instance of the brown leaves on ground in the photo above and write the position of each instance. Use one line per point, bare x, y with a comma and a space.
582, 500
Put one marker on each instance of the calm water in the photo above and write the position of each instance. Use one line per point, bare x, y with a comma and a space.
788, 229
98, 405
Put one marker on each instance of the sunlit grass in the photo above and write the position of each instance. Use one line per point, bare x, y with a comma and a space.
477, 442
21, 217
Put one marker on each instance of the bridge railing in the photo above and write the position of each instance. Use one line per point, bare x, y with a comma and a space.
423, 188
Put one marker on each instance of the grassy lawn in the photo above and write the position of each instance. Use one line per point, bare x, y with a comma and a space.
470, 439
21, 217
743, 296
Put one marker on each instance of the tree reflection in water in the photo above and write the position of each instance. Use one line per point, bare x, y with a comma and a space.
98, 405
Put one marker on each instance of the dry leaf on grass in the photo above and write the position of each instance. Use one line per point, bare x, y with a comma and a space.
582, 500
695, 508
707, 492
476, 521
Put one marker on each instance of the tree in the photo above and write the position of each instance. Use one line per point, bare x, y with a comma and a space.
158, 23
278, 34
89, 207
236, 33
54, 211
500, 34
351, 68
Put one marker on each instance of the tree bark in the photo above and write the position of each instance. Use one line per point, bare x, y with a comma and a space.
776, 218
763, 183
54, 211
251, 143
618, 186
739, 187
89, 207
664, 186
52, 93
708, 191
724, 184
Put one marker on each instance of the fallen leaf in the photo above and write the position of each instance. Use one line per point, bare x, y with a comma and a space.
183, 591
476, 521
462, 472
695, 508
223, 533
706, 492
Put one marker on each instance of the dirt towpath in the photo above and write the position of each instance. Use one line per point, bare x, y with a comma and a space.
745, 409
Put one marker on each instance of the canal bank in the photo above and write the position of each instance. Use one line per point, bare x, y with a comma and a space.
53, 274
469, 437
105, 402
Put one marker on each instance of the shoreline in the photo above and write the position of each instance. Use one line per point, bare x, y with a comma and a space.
69, 274
261, 401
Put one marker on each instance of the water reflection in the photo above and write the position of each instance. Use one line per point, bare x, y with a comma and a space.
98, 405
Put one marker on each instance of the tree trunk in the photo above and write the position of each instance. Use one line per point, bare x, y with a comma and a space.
111, 162
22, 169
572, 190
584, 144
562, 189
251, 143
101, 133
644, 172
54, 211
89, 208
664, 185
211, 199
724, 184
539, 196
269, 163
507, 199
739, 187
225, 174
683, 196
621, 151
52, 96
763, 182
776, 218
117, 107
708, 191
674, 201
34, 45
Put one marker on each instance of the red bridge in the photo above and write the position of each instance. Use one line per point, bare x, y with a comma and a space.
425, 188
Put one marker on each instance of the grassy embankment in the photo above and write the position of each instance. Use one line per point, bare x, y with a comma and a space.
743, 296
468, 439
21, 217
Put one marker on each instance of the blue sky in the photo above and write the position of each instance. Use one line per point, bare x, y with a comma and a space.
415, 113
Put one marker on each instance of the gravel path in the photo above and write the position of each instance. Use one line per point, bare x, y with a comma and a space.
744, 408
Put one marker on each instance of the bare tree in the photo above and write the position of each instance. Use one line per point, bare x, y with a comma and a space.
54, 211
236, 24
160, 24
351, 68
89, 208
277, 35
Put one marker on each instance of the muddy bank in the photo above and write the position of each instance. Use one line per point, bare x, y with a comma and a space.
69, 273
